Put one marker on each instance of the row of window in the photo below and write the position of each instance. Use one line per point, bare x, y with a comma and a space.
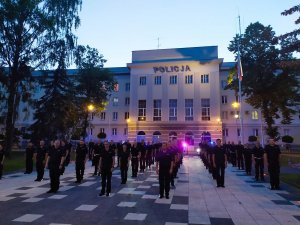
189, 110
114, 131
173, 79
255, 132
236, 114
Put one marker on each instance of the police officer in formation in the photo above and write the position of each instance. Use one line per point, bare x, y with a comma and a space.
55, 162
135, 155
107, 163
41, 154
164, 167
80, 160
248, 159
239, 155
273, 158
258, 154
2, 157
29, 152
219, 163
142, 149
97, 148
124, 157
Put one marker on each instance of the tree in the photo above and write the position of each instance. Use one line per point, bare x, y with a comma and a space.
56, 109
293, 44
29, 30
266, 85
94, 83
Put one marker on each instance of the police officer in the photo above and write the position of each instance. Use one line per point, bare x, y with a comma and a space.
232, 149
219, 163
29, 151
68, 153
96, 156
107, 163
80, 160
240, 155
40, 159
273, 158
258, 154
142, 149
63, 147
2, 156
248, 159
149, 152
55, 161
135, 154
124, 159
164, 166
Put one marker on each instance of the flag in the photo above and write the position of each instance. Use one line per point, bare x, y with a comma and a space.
240, 69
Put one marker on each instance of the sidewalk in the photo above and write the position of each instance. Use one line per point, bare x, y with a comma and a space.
195, 200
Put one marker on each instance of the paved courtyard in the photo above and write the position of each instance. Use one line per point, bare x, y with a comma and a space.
195, 200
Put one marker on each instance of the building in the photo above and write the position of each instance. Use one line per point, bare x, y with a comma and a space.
177, 93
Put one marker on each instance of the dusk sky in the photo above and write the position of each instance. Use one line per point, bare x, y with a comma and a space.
118, 27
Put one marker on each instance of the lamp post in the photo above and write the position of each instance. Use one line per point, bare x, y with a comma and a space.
90, 108
236, 105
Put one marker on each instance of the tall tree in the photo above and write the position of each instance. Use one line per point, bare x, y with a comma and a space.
266, 85
29, 29
56, 110
94, 83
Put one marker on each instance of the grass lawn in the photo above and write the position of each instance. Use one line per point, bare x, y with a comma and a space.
292, 179
287, 159
15, 162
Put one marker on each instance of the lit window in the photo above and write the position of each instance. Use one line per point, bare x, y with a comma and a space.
142, 110
115, 101
254, 115
204, 79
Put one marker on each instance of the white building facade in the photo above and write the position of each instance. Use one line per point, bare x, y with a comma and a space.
177, 93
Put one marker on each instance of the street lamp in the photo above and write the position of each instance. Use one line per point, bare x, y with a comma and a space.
90, 108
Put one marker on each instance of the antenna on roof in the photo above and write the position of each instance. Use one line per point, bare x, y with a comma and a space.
158, 44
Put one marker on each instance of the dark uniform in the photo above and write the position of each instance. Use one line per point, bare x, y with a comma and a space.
164, 159
55, 155
119, 150
64, 152
248, 160
134, 160
107, 160
68, 153
81, 154
232, 150
98, 148
142, 149
220, 162
273, 153
239, 156
1, 159
258, 153
149, 150
124, 156
29, 159
41, 152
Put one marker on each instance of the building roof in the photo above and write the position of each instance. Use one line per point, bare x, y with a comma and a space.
204, 54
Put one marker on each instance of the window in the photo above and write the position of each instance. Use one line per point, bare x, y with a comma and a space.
142, 81
255, 132
223, 84
205, 105
127, 87
142, 110
125, 131
157, 80
172, 109
189, 79
189, 110
286, 132
127, 101
115, 101
156, 110
126, 115
238, 132
102, 130
204, 79
254, 115
114, 131
116, 87
115, 116
224, 115
224, 99
102, 116
173, 79
225, 132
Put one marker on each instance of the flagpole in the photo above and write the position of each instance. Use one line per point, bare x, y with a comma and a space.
240, 75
